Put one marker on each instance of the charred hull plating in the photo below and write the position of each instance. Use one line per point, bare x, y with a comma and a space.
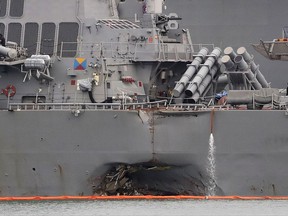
112, 97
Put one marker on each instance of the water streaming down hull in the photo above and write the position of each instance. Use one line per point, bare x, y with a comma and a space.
211, 167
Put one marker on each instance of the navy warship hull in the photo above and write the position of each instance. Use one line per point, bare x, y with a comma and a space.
55, 147
69, 158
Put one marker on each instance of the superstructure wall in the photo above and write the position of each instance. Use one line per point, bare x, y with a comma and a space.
231, 23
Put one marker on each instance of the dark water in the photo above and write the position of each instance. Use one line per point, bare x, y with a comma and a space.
136, 207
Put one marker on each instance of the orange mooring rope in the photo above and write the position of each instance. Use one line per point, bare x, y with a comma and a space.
181, 197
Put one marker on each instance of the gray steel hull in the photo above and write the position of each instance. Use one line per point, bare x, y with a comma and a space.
57, 153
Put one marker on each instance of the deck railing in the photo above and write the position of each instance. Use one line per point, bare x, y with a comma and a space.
85, 106
138, 51
79, 107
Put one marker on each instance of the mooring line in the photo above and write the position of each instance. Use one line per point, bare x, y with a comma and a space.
145, 197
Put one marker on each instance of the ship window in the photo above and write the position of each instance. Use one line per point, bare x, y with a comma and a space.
30, 37
14, 32
47, 39
68, 33
2, 28
3, 6
16, 8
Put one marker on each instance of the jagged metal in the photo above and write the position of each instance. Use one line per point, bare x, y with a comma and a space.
193, 67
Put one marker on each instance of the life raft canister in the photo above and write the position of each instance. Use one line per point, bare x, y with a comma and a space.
10, 90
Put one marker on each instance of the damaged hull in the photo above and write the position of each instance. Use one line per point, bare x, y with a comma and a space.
60, 154
122, 53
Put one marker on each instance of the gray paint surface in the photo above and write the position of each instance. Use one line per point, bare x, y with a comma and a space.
3, 6
31, 37
68, 32
16, 8
56, 153
14, 32
2, 28
47, 38
69, 153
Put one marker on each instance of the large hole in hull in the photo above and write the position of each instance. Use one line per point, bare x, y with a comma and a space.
152, 178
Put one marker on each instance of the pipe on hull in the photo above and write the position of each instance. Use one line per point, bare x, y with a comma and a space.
255, 69
243, 66
192, 87
204, 85
227, 61
222, 79
190, 72
230, 52
8, 52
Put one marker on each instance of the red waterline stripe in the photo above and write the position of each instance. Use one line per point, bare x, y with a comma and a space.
143, 198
